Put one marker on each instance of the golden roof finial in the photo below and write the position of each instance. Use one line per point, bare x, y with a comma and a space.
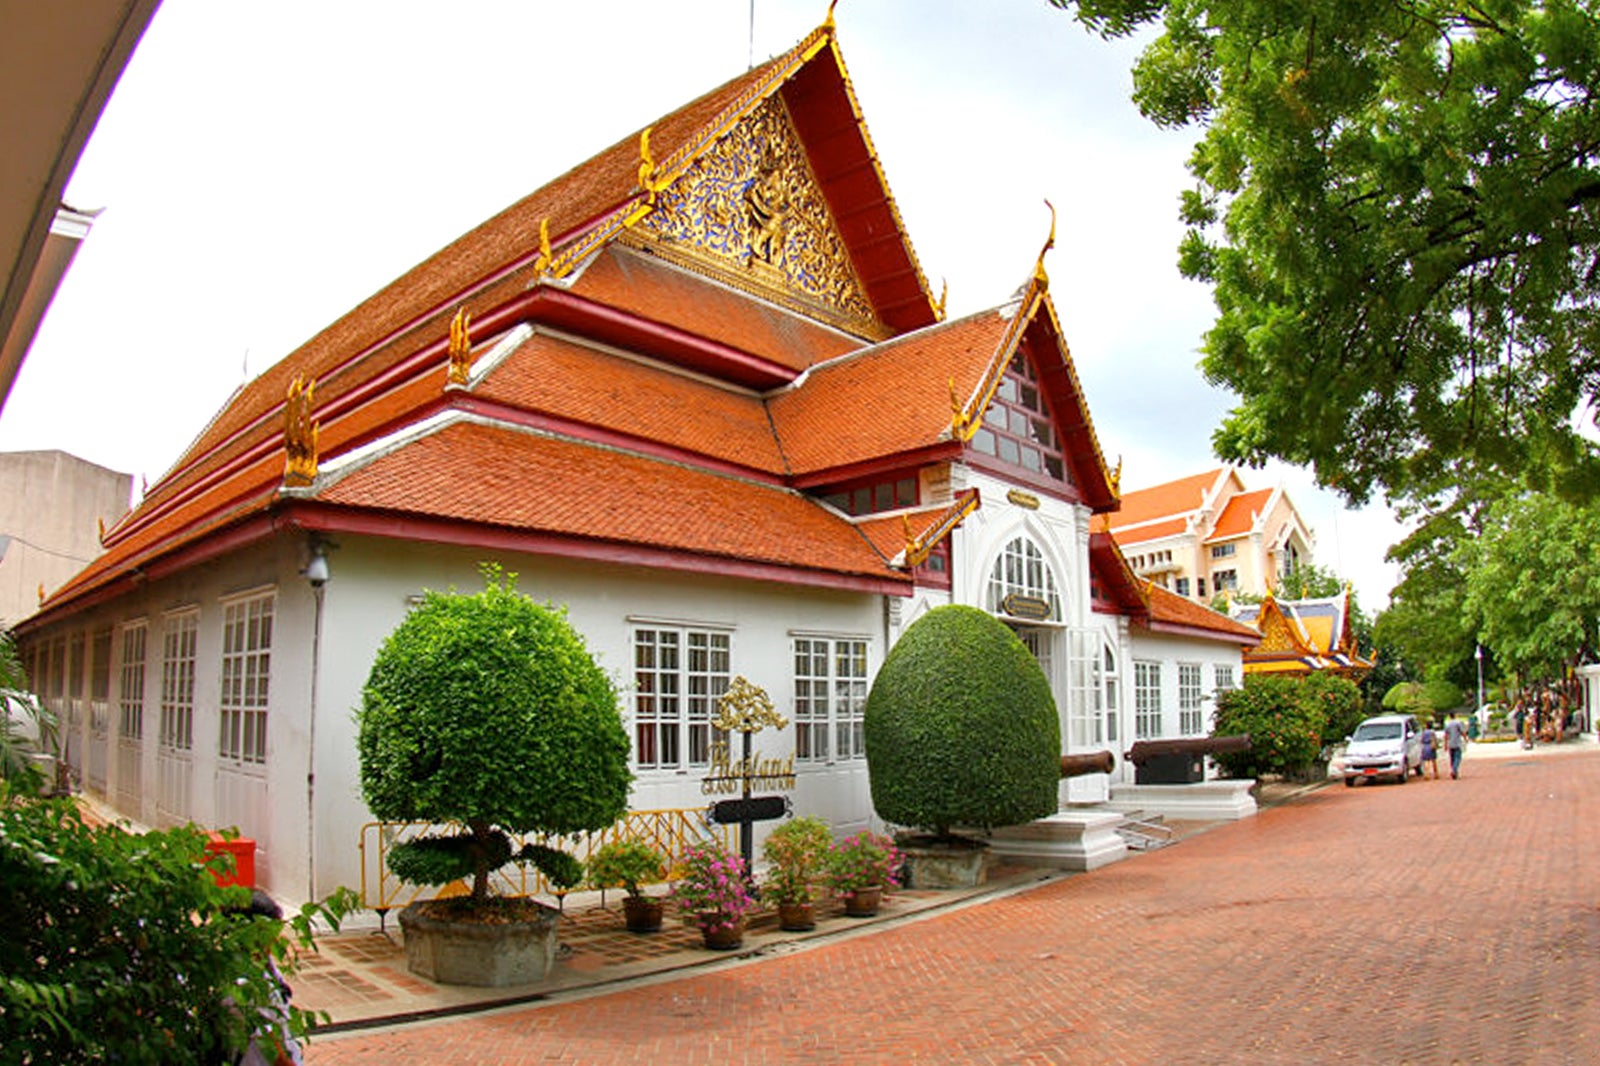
299, 434
1050, 242
958, 417
546, 257
41, 592
1116, 478
944, 294
460, 347
827, 23
647, 167
101, 523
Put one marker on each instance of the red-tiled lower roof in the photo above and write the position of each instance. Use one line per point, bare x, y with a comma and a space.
638, 283
887, 399
1168, 608
558, 377
507, 477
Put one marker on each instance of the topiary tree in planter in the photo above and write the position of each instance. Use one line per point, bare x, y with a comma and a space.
961, 729
488, 711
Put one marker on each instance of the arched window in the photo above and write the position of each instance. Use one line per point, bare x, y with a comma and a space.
1021, 584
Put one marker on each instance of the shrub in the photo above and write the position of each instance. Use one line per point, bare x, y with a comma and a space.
1442, 696
712, 890
961, 728
122, 948
1285, 726
488, 710
1340, 702
795, 852
626, 864
865, 860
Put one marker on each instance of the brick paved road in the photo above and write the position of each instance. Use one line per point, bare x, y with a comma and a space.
1439, 922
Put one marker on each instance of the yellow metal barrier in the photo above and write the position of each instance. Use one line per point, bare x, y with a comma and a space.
667, 831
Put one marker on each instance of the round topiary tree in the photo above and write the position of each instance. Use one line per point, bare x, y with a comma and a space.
961, 728
488, 710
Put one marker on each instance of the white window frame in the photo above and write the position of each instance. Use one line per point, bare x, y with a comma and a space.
180, 636
1021, 569
130, 681
830, 698
1191, 700
677, 682
1085, 722
1146, 699
245, 684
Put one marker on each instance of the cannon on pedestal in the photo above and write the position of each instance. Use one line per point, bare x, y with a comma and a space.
1180, 761
1093, 762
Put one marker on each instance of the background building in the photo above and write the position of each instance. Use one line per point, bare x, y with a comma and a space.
1205, 535
52, 508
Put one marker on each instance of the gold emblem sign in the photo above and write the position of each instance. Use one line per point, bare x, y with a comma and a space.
750, 213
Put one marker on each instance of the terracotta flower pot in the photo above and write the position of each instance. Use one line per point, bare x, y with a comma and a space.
797, 917
863, 902
720, 933
642, 913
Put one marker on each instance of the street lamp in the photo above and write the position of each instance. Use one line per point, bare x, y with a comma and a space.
1477, 653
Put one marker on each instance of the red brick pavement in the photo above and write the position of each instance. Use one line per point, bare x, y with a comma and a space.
1438, 922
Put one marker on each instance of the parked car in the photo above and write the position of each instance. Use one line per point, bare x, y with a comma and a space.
1387, 746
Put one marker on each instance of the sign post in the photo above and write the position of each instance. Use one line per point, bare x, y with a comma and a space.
746, 709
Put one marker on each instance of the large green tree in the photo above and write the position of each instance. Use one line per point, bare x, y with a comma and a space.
1398, 205
1533, 579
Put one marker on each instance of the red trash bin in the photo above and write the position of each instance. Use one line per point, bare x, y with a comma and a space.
243, 850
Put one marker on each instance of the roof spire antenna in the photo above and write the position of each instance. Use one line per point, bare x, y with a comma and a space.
1050, 242
750, 49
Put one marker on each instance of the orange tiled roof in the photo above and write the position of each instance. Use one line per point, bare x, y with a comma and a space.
886, 399
502, 476
1170, 608
1153, 531
631, 281
1159, 501
1238, 516
556, 376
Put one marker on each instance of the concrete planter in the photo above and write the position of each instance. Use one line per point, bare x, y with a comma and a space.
485, 954
958, 864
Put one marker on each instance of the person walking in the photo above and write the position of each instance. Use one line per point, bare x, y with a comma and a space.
1430, 751
1455, 741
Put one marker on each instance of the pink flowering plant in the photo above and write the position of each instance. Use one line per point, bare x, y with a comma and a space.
712, 887
864, 860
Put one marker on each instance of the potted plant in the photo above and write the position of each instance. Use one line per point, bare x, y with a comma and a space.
713, 895
627, 864
487, 712
795, 852
861, 868
961, 731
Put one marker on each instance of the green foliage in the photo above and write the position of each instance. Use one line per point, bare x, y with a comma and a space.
961, 728
795, 852
1285, 718
1441, 696
1399, 208
1340, 701
863, 860
1533, 579
626, 864
26, 725
121, 947
561, 868
488, 710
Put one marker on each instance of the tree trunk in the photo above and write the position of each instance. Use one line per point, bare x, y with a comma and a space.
480, 862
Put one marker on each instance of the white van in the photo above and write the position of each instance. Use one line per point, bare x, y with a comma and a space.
1387, 746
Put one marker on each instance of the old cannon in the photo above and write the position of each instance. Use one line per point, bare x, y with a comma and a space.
1093, 762
1179, 761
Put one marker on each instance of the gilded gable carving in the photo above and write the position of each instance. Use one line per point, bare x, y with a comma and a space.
1275, 636
750, 213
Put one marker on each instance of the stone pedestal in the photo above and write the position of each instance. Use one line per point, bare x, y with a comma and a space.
1203, 801
485, 954
945, 865
1075, 839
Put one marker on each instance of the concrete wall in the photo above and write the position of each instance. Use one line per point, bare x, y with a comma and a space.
49, 504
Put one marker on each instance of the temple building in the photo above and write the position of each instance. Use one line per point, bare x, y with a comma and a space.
698, 390
1206, 536
1303, 636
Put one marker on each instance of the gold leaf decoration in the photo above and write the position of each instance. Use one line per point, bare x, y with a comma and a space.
746, 708
299, 434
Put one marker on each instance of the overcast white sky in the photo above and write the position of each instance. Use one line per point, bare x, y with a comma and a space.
264, 165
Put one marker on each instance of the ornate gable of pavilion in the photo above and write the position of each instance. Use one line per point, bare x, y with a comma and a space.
1303, 636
